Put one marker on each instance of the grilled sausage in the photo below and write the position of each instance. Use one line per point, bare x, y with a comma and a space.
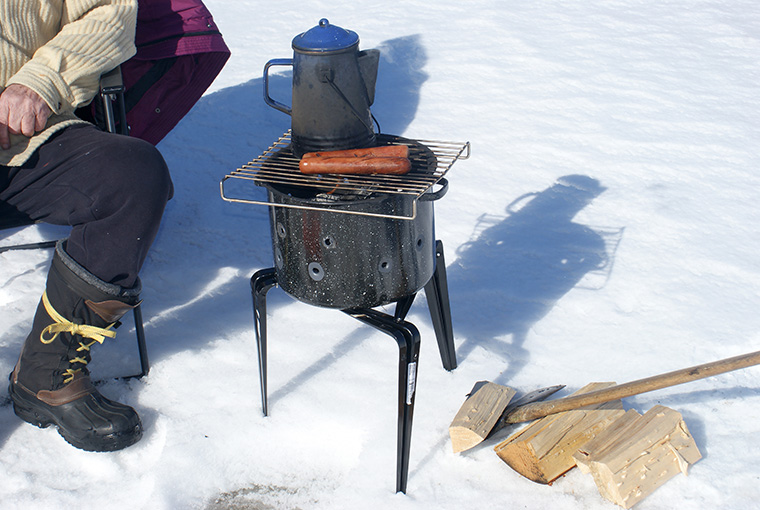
355, 165
384, 151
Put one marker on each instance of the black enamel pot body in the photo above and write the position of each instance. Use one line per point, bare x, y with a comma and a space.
340, 260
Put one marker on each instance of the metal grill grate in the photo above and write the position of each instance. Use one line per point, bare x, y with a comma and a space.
431, 160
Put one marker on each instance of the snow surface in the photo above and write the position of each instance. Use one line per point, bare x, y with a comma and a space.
643, 262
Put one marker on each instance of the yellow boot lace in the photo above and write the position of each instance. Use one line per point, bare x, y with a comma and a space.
63, 325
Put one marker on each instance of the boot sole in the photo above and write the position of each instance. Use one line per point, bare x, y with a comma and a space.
33, 411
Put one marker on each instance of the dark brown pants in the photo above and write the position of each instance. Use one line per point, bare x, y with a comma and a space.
111, 189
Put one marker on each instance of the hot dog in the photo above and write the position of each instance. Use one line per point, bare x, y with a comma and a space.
355, 165
384, 151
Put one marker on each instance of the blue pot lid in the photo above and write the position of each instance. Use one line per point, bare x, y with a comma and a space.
325, 37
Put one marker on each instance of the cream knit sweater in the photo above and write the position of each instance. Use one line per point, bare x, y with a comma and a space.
59, 49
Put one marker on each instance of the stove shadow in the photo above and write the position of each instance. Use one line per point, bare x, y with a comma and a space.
350, 342
516, 268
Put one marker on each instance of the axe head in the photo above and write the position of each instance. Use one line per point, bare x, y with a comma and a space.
480, 415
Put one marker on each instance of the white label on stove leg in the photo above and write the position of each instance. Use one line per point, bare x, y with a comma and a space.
412, 382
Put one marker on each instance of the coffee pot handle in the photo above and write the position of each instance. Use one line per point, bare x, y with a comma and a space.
268, 100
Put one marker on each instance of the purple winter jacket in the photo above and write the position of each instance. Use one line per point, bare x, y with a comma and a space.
179, 53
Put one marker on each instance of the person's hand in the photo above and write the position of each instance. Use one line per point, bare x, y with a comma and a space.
22, 112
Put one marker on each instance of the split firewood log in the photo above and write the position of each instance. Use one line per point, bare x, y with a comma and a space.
637, 454
479, 413
544, 450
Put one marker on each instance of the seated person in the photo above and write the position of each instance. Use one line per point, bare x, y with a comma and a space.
110, 189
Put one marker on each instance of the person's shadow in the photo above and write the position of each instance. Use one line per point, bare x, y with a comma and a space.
515, 270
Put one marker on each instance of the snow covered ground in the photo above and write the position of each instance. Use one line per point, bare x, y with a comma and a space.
604, 229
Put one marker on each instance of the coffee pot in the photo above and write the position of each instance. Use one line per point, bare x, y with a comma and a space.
333, 89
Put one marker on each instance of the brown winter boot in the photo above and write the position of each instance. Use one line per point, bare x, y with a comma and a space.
50, 384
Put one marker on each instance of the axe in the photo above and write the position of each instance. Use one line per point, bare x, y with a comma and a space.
487, 409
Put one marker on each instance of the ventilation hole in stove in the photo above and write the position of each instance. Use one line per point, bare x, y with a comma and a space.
278, 259
280, 230
316, 272
385, 266
328, 242
420, 243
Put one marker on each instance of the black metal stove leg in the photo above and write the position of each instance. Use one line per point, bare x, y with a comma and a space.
408, 339
403, 306
261, 282
437, 293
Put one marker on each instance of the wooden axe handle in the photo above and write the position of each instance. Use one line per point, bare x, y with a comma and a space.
540, 409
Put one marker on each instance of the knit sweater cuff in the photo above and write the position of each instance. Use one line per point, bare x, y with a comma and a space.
48, 84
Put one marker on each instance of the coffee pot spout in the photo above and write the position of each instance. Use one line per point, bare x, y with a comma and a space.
368, 64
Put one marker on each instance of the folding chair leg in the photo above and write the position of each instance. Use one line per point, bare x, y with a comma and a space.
31, 246
141, 346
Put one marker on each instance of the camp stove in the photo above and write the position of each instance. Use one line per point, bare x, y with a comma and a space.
354, 242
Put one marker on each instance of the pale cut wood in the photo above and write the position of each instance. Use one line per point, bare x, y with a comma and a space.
479, 414
595, 447
535, 410
543, 451
637, 454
